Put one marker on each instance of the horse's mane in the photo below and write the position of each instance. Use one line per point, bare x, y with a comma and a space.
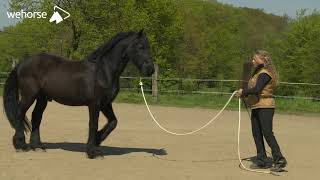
107, 46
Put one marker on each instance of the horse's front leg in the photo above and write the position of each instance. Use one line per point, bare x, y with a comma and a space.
107, 110
92, 149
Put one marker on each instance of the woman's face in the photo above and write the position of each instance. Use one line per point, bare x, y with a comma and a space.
256, 60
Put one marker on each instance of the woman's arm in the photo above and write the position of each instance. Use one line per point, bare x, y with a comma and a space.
262, 81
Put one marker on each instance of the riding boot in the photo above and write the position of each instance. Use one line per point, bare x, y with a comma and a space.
261, 163
279, 163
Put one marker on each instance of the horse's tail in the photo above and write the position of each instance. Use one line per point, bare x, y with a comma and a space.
11, 101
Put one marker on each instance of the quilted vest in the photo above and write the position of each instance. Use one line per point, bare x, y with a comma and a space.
265, 98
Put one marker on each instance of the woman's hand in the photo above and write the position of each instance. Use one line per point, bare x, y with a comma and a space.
239, 93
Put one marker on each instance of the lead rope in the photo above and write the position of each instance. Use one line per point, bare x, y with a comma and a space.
187, 133
208, 123
242, 166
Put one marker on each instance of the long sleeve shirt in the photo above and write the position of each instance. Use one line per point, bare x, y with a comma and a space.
262, 81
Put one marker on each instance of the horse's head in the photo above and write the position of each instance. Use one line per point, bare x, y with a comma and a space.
139, 52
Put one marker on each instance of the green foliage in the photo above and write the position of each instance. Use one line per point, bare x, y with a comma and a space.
297, 54
189, 38
189, 86
300, 50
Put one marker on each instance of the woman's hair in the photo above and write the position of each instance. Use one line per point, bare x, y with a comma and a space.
268, 64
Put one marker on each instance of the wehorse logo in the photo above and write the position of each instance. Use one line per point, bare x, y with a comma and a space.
56, 17
23, 14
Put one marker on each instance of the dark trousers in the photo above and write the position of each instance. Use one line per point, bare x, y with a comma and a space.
261, 122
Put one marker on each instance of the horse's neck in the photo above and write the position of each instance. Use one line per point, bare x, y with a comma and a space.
116, 61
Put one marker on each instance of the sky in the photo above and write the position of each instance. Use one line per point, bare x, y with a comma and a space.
4, 20
278, 7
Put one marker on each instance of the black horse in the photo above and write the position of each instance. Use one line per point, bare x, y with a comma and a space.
93, 82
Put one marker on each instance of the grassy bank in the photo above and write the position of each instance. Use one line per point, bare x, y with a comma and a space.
292, 106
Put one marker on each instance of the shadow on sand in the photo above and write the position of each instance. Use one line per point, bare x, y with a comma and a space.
106, 150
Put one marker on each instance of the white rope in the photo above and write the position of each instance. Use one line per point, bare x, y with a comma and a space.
239, 156
192, 132
187, 133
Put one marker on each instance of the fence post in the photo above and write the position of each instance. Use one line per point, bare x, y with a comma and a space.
14, 62
221, 87
155, 83
61, 44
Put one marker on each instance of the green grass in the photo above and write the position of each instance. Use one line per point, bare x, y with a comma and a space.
292, 106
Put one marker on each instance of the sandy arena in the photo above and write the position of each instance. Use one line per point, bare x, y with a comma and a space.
138, 149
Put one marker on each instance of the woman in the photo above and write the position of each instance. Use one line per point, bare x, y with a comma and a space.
260, 99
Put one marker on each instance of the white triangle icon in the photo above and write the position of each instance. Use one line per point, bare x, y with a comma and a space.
56, 17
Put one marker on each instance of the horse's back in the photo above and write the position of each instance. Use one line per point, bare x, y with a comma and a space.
43, 63
56, 77
38, 64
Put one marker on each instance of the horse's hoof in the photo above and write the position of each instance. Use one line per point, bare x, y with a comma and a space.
38, 148
19, 143
95, 156
22, 148
94, 153
99, 157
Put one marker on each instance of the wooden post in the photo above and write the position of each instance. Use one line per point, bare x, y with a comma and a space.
14, 62
155, 83
221, 85
61, 44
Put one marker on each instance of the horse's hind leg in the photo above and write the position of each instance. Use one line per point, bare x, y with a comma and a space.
107, 110
18, 140
41, 105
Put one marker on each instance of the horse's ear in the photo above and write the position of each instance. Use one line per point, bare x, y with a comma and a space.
140, 33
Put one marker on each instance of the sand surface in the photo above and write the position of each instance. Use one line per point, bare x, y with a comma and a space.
138, 149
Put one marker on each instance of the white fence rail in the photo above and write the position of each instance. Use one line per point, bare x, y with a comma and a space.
220, 92
213, 80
